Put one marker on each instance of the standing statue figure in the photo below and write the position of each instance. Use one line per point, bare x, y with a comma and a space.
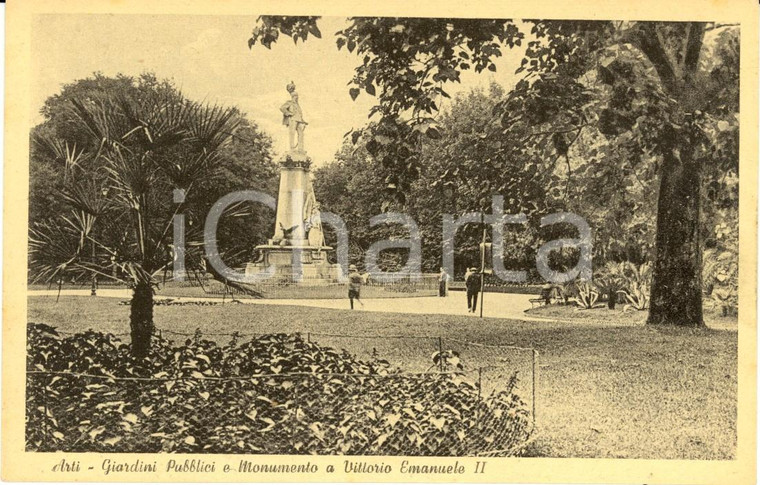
292, 117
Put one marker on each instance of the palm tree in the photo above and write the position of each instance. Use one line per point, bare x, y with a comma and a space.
120, 190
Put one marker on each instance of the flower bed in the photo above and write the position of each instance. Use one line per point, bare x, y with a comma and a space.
273, 394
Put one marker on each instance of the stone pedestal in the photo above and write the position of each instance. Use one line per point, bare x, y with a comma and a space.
291, 198
296, 254
298, 265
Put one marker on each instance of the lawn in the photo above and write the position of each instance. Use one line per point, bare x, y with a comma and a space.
603, 391
603, 315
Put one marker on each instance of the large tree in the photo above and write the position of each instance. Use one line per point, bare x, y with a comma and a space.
474, 160
243, 163
119, 187
656, 93
647, 88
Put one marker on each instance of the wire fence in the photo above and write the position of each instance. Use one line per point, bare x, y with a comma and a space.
452, 398
204, 285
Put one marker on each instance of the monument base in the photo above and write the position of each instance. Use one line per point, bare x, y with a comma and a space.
309, 268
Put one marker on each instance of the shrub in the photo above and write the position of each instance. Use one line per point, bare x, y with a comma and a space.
273, 394
720, 279
719, 269
565, 292
587, 295
637, 295
401, 288
637, 283
611, 281
727, 300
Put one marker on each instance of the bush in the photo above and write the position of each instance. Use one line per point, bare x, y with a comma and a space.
566, 292
721, 280
587, 295
611, 281
273, 394
638, 281
727, 300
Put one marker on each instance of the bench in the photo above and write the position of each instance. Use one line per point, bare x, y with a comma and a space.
546, 298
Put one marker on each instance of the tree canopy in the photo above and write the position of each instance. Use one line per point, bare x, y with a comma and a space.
650, 106
139, 155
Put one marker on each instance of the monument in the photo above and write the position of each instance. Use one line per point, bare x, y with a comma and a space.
296, 253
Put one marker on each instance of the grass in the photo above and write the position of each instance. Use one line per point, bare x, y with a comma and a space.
603, 315
603, 391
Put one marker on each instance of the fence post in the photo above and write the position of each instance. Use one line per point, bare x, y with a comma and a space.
480, 391
440, 354
44, 413
480, 381
297, 403
535, 377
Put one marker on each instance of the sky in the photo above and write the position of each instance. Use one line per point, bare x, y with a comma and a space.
207, 57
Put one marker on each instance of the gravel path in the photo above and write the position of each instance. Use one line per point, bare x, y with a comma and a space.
497, 305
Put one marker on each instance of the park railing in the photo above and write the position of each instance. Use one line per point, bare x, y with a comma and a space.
452, 398
305, 288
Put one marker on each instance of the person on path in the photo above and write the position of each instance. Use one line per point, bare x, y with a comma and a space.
355, 281
467, 275
472, 283
443, 283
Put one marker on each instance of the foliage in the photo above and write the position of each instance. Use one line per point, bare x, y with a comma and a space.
721, 279
406, 63
720, 269
625, 106
637, 284
352, 187
63, 157
649, 97
728, 300
472, 162
276, 393
636, 274
637, 296
586, 295
568, 291
120, 191
610, 281
460, 173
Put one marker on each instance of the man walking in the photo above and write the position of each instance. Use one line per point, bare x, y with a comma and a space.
472, 283
443, 283
354, 285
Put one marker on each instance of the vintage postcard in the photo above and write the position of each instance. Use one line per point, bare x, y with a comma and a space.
256, 241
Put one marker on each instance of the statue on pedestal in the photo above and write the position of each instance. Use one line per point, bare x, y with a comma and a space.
296, 253
292, 117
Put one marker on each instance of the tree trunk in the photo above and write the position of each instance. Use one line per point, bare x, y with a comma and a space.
611, 300
141, 319
676, 295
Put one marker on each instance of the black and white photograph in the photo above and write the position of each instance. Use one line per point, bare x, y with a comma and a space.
456, 242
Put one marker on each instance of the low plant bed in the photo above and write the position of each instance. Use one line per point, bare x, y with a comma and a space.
274, 394
601, 314
173, 302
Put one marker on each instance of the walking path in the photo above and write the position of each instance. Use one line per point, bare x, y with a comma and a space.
497, 305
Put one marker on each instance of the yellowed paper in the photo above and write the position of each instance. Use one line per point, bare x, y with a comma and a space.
51, 43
